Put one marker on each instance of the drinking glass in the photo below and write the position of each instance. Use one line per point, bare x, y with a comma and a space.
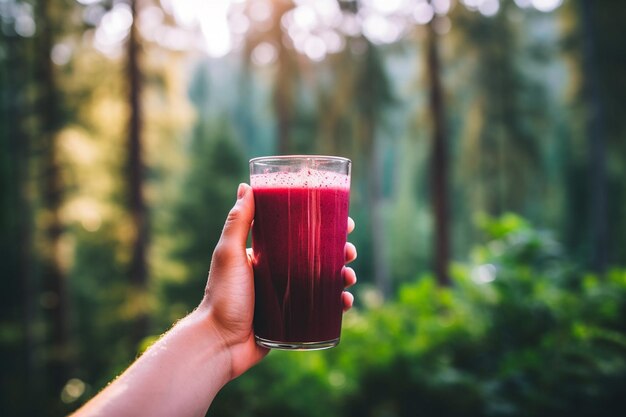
298, 239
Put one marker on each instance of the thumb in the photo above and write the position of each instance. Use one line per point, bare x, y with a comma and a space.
237, 226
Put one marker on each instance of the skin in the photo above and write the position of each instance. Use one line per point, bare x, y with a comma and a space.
183, 371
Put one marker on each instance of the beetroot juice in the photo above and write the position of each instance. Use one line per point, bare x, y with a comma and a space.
298, 238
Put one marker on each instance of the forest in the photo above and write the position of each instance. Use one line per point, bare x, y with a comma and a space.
489, 168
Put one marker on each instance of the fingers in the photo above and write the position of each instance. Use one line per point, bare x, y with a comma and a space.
349, 277
350, 252
351, 225
348, 300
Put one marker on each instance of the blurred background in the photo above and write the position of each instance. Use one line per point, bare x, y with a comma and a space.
488, 188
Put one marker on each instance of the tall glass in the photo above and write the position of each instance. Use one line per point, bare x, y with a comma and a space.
298, 239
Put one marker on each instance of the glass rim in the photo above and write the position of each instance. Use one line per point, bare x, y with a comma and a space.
300, 157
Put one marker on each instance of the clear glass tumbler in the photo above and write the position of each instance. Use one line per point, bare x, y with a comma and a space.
298, 239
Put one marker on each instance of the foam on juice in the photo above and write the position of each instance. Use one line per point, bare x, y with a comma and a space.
305, 178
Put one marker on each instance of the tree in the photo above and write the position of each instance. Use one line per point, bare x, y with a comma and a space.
372, 96
596, 137
439, 158
54, 276
17, 200
137, 205
595, 172
285, 79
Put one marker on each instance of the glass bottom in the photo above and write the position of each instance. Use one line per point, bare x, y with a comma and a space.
296, 345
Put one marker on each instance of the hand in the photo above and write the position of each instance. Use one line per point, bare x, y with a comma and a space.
229, 294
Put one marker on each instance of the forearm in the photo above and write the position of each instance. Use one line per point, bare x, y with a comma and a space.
179, 375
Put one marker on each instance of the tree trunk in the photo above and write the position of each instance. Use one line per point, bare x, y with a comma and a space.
16, 216
26, 272
245, 98
375, 196
596, 139
137, 205
284, 84
439, 159
22, 146
54, 278
283, 103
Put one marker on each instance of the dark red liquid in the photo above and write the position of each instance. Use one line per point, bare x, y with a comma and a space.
298, 237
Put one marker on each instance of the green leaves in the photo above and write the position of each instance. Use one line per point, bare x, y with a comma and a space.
541, 339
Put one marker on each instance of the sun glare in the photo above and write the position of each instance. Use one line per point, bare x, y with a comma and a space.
315, 28
113, 29
546, 5
211, 17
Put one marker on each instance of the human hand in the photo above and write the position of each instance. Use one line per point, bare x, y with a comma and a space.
229, 294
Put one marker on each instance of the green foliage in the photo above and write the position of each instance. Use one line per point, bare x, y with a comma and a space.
103, 305
541, 339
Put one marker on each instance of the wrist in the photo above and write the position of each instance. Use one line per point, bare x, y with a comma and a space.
204, 323
236, 338
179, 375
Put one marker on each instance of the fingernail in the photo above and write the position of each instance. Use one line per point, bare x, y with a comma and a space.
241, 191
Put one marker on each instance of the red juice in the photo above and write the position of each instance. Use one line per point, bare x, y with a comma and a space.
298, 236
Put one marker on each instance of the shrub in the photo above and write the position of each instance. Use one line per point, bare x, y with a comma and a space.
524, 333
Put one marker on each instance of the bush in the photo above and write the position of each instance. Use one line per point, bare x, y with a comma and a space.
522, 334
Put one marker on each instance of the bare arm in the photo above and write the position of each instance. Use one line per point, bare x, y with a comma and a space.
179, 375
